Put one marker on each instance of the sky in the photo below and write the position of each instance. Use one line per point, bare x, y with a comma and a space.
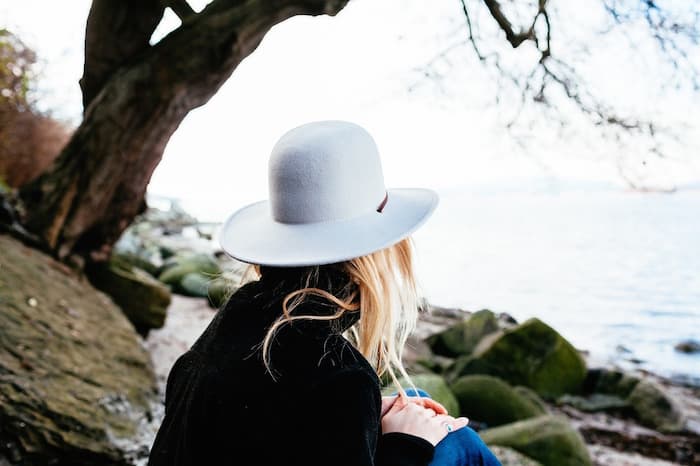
561, 226
365, 65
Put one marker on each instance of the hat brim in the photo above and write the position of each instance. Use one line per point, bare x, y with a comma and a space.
251, 234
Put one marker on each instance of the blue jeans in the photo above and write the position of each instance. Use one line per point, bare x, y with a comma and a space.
463, 447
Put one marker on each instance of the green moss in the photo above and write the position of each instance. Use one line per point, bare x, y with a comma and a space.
143, 299
594, 403
509, 457
179, 266
75, 380
531, 354
462, 338
551, 440
492, 401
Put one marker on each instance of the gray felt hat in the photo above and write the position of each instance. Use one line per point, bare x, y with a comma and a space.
327, 202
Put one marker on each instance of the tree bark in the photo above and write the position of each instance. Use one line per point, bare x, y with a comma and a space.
115, 33
97, 185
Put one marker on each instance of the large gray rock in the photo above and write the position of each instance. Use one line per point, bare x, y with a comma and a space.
491, 401
462, 338
76, 385
551, 440
655, 408
531, 354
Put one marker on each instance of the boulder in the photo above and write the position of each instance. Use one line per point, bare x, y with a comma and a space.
137, 251
531, 395
550, 440
655, 408
462, 338
195, 284
610, 382
594, 403
76, 384
531, 354
143, 299
493, 402
219, 291
435, 385
688, 346
509, 457
177, 267
418, 358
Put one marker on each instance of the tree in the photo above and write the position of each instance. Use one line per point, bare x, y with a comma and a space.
135, 95
547, 83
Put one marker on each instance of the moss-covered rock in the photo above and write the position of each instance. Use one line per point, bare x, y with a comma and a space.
610, 382
461, 339
532, 396
551, 440
436, 386
219, 291
509, 457
142, 298
177, 267
595, 402
76, 384
532, 354
491, 401
655, 408
195, 284
436, 364
147, 261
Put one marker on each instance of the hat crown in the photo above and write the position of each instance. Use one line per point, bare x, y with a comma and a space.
323, 171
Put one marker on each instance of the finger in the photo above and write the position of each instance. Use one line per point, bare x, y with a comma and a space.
444, 417
387, 403
395, 407
401, 398
434, 405
448, 423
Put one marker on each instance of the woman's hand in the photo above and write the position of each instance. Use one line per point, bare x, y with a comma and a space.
412, 418
388, 401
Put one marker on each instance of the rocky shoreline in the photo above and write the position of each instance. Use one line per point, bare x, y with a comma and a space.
534, 397
658, 423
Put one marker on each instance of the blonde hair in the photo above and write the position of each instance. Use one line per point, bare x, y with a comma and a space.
382, 287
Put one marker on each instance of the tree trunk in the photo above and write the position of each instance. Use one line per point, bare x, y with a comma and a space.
97, 185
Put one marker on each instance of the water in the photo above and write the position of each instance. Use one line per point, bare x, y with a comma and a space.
616, 272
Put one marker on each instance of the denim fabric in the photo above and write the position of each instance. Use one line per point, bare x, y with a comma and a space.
463, 447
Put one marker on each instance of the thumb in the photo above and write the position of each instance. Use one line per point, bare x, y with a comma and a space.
461, 422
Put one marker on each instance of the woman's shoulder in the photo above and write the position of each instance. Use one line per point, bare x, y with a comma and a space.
318, 355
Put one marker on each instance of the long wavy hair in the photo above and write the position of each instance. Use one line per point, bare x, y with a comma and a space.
382, 287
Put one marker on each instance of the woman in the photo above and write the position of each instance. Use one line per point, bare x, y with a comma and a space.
288, 371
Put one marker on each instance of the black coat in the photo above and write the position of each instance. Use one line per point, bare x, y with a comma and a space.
223, 408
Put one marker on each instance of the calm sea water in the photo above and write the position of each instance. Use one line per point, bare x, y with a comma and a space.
616, 272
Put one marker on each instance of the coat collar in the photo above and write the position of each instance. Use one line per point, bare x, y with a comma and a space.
277, 282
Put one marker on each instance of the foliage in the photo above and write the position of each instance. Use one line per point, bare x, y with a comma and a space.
29, 140
16, 72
